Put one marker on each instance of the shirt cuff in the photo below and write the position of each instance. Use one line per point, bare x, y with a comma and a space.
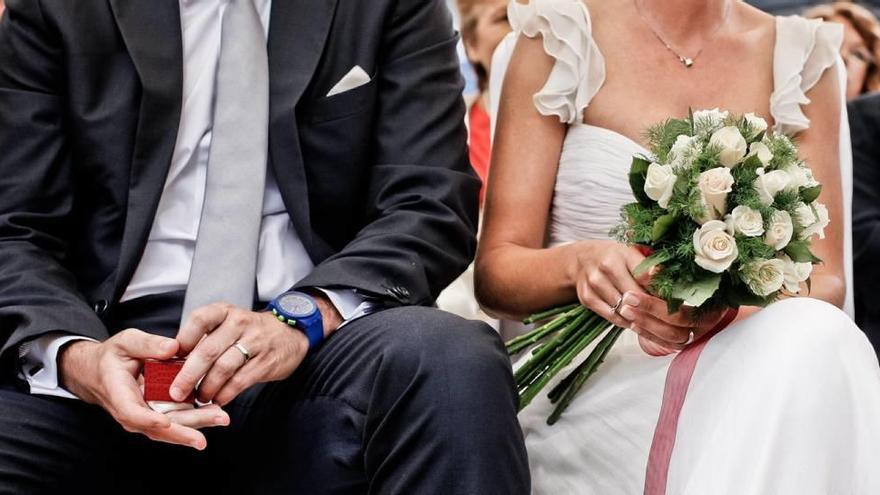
349, 303
39, 365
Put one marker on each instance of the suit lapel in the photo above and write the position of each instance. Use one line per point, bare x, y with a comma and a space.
297, 33
152, 34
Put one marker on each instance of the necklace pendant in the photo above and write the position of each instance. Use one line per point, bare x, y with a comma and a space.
688, 62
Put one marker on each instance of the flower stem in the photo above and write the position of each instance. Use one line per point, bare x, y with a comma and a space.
550, 312
584, 338
583, 372
516, 345
551, 349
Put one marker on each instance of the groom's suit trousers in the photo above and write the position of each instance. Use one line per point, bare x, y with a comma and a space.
405, 401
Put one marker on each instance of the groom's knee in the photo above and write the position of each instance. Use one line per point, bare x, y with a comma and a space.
445, 350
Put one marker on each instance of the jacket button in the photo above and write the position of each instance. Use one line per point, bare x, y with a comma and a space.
101, 307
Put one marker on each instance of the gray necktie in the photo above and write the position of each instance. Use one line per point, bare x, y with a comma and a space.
225, 260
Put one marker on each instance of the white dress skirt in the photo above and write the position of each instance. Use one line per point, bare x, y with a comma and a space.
786, 402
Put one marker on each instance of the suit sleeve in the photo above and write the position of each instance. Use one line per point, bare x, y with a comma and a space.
423, 195
865, 125
37, 293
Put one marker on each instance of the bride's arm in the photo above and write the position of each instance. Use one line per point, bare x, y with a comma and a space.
820, 148
514, 274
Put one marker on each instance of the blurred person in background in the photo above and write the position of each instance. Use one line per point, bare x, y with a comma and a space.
483, 26
864, 119
861, 44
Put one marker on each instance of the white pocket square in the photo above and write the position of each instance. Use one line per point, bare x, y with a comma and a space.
355, 77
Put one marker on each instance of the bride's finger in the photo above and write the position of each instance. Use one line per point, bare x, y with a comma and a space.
675, 336
660, 343
599, 295
633, 258
657, 308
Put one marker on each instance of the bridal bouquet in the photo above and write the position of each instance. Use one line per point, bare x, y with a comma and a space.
725, 211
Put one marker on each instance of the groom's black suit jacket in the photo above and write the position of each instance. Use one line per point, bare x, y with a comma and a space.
376, 179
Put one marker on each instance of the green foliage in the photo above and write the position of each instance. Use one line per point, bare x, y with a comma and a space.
637, 173
662, 136
799, 252
783, 149
787, 200
810, 194
752, 248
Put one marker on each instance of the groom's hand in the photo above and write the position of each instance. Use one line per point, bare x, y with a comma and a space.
209, 336
107, 374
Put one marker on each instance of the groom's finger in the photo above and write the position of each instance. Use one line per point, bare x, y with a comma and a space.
200, 322
203, 417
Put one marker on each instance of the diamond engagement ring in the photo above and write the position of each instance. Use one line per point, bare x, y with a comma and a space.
244, 352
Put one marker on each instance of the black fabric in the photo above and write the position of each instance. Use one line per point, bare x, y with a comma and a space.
864, 121
407, 400
376, 180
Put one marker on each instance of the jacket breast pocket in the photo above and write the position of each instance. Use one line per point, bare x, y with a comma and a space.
341, 105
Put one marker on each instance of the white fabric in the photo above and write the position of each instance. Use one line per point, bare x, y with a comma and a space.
356, 77
167, 258
785, 402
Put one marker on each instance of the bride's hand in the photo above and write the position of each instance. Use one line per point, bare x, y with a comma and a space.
604, 278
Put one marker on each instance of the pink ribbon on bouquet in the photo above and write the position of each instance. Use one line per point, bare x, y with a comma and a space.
678, 379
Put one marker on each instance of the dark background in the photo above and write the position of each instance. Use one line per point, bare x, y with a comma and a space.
796, 6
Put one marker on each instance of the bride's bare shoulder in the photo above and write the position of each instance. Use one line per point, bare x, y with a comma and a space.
755, 19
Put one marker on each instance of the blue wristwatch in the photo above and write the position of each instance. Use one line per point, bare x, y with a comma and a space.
301, 312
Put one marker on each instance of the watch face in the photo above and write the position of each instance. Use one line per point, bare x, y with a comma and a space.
296, 305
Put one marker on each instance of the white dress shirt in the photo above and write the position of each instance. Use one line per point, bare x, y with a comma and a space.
165, 265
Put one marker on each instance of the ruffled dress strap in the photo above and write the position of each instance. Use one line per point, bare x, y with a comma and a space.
579, 70
805, 48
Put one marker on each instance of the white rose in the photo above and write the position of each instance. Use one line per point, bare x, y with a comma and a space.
659, 183
804, 215
712, 119
762, 152
747, 221
779, 230
797, 175
768, 184
764, 277
795, 273
731, 143
758, 124
822, 221
684, 150
714, 185
715, 249
811, 181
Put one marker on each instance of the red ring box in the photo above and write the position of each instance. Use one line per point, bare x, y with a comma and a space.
158, 376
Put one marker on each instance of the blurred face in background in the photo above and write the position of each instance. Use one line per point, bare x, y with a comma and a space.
484, 26
856, 55
2, 7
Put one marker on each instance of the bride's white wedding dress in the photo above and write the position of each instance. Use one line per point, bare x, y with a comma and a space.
786, 402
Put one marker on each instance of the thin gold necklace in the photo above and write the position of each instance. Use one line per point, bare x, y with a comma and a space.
688, 62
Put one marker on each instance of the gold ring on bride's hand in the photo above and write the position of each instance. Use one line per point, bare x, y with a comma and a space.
616, 305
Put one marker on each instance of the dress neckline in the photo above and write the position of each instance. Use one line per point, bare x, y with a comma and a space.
612, 132
773, 62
